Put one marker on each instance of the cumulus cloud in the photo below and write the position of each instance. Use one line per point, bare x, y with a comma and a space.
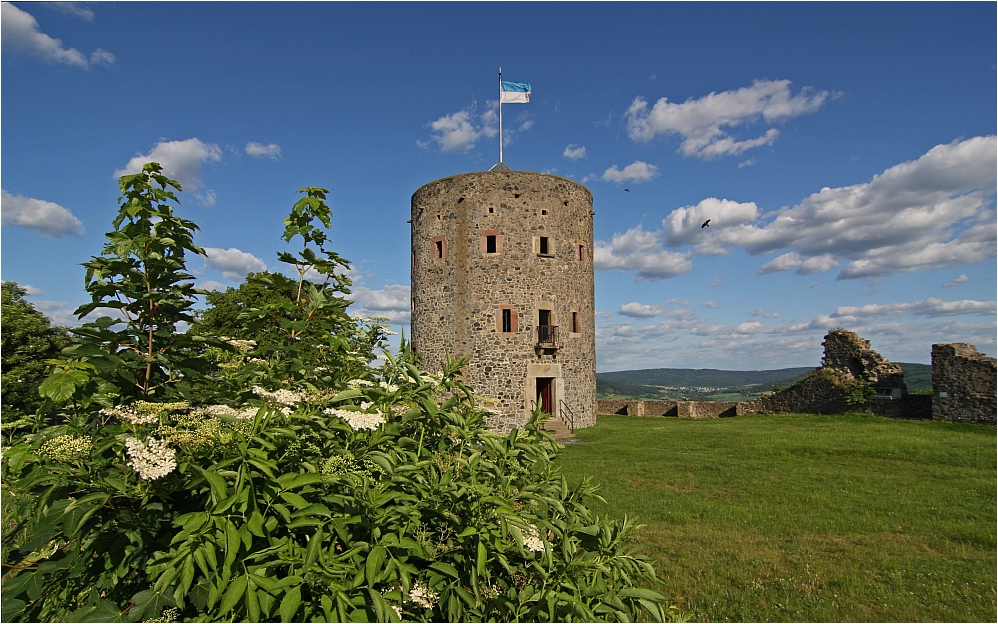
637, 171
574, 152
393, 302
20, 34
933, 212
640, 251
461, 131
49, 218
181, 160
683, 225
259, 150
931, 307
706, 124
233, 263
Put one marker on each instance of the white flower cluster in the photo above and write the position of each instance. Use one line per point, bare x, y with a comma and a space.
282, 398
143, 412
67, 448
356, 420
421, 595
389, 387
359, 383
241, 345
532, 539
153, 459
247, 413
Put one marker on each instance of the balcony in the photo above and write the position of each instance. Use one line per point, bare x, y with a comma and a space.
547, 337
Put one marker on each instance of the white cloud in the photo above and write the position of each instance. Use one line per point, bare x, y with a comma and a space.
804, 266
705, 124
393, 302
574, 152
931, 307
233, 263
259, 150
960, 279
462, 130
32, 291
934, 212
181, 160
211, 285
684, 226
637, 171
49, 218
19, 34
640, 251
73, 9
206, 199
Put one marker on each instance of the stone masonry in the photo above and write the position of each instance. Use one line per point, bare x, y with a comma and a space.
502, 274
963, 383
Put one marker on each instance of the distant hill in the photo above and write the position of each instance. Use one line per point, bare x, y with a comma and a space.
704, 377
721, 385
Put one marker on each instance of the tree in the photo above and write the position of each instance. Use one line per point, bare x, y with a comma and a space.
28, 341
141, 276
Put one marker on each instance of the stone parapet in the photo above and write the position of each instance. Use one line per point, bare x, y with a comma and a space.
963, 383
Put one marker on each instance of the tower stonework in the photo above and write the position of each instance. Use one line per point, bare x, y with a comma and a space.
502, 274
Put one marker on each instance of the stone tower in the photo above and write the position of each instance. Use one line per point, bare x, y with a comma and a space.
502, 274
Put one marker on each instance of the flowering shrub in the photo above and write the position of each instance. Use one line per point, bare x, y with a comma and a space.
382, 499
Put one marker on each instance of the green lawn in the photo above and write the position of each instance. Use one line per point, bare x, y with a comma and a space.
806, 518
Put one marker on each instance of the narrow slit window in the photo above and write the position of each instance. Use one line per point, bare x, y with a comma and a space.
508, 320
575, 322
490, 244
439, 247
544, 246
582, 253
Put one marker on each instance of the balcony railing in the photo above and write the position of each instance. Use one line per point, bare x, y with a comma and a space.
547, 335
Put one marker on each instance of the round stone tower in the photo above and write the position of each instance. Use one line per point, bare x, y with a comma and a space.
502, 274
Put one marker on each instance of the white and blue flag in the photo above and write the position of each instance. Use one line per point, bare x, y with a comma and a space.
514, 92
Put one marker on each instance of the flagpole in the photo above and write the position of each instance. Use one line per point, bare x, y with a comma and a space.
500, 114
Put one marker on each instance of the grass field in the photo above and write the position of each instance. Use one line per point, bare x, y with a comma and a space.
805, 518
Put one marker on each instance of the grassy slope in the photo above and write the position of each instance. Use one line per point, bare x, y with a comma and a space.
806, 518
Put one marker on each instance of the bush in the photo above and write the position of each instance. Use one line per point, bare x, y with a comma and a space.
315, 495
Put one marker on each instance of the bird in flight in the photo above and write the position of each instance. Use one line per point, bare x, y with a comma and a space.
705, 224
627, 190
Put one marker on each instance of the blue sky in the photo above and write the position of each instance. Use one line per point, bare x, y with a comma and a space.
845, 153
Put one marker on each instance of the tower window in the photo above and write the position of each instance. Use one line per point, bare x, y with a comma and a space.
439, 247
543, 246
544, 212
582, 253
508, 320
574, 327
491, 210
490, 243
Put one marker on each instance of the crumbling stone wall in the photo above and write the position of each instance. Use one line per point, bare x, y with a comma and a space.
845, 351
817, 393
963, 383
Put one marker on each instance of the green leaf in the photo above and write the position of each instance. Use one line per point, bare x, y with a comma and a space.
233, 594
446, 568
61, 384
290, 604
295, 499
375, 559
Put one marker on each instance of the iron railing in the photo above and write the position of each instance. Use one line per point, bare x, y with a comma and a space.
547, 334
566, 410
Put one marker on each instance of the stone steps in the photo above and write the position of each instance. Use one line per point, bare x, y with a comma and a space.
560, 431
